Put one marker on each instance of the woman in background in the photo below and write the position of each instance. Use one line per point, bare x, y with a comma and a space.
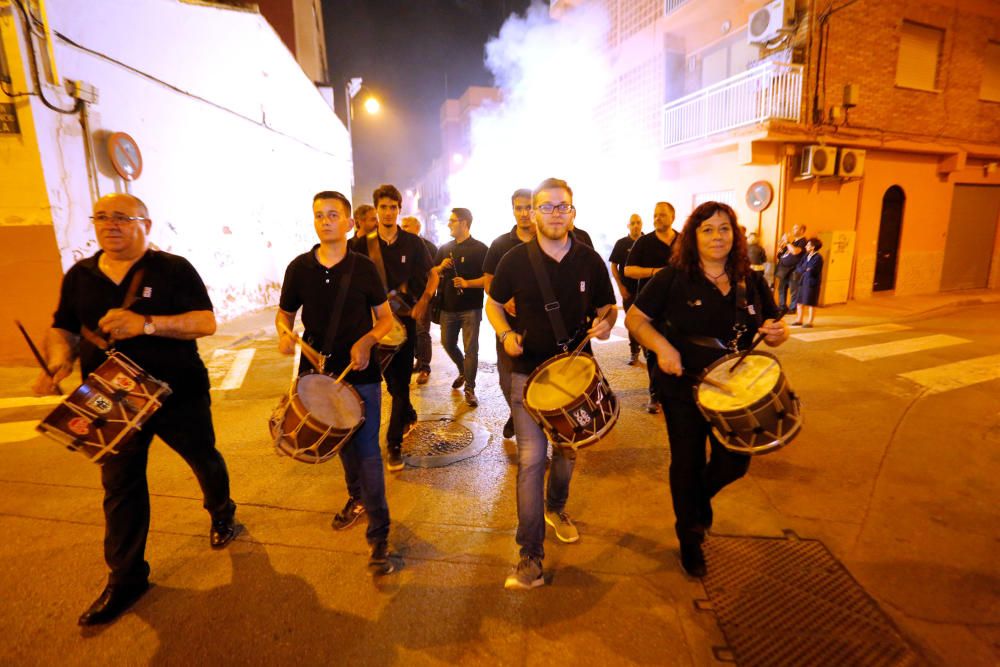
809, 272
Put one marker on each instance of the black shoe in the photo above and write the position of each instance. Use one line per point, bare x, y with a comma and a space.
508, 428
223, 532
394, 459
459, 381
115, 599
349, 515
693, 560
633, 360
379, 562
470, 398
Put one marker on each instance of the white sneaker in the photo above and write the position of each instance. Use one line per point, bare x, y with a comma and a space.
565, 528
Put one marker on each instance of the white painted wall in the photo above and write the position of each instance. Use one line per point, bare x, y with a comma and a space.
235, 140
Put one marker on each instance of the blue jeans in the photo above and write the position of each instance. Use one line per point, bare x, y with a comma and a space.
362, 461
468, 321
531, 449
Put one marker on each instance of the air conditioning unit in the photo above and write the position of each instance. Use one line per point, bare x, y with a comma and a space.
851, 163
818, 161
770, 21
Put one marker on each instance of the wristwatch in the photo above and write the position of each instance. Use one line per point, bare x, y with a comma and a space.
149, 328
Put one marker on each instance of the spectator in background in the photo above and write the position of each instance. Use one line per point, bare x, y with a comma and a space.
365, 220
757, 255
627, 287
789, 255
422, 365
810, 273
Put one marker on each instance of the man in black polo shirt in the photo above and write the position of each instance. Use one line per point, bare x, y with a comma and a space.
586, 301
523, 231
651, 253
152, 306
405, 262
422, 350
313, 282
626, 286
459, 270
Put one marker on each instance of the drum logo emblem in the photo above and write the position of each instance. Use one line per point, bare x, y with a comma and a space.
582, 417
79, 425
100, 403
123, 381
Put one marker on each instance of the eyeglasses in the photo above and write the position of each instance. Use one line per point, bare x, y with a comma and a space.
119, 219
548, 209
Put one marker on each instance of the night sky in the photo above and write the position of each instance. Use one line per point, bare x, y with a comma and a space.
413, 54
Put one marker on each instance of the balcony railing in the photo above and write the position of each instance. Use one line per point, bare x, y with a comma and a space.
767, 92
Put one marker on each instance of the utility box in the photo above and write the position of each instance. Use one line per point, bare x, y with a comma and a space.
838, 257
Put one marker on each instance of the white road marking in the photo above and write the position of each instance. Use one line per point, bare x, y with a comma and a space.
957, 375
870, 330
18, 431
238, 362
895, 348
29, 401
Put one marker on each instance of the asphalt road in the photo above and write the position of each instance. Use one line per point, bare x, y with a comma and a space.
895, 472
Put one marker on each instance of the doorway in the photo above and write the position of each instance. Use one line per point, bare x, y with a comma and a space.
972, 229
889, 231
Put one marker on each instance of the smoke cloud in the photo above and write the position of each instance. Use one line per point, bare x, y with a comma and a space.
558, 117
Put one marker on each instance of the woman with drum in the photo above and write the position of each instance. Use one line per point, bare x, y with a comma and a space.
705, 305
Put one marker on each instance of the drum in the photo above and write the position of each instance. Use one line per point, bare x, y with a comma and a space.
570, 400
101, 415
390, 344
316, 419
755, 410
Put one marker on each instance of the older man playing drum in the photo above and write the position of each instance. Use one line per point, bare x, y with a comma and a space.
150, 306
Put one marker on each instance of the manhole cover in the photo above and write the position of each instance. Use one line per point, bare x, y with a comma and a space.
790, 602
440, 442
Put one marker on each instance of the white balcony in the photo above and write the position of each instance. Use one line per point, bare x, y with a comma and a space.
772, 91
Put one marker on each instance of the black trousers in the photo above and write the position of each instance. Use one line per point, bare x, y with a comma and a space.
786, 283
185, 424
693, 480
633, 344
397, 380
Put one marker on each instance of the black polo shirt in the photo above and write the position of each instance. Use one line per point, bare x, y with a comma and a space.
407, 262
169, 286
581, 285
788, 260
469, 256
431, 248
618, 257
501, 246
649, 252
312, 287
696, 307
582, 236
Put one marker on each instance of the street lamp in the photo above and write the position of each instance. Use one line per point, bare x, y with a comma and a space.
372, 106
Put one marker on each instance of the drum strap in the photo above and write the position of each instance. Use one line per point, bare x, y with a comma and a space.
551, 302
338, 306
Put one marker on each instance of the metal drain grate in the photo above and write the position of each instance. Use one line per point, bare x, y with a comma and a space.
441, 442
790, 602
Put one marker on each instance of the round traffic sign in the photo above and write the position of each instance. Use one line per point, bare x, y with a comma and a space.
125, 156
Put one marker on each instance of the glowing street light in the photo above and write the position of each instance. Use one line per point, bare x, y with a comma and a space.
372, 106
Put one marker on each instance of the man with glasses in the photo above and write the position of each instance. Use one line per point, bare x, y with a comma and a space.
151, 306
522, 232
406, 263
651, 253
586, 306
314, 282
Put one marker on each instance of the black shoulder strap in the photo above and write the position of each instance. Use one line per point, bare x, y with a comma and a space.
338, 306
375, 253
551, 303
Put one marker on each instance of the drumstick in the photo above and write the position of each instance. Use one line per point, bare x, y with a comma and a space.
38, 355
346, 371
317, 359
724, 388
760, 337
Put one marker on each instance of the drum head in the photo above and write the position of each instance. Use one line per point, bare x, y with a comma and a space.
561, 382
752, 381
328, 401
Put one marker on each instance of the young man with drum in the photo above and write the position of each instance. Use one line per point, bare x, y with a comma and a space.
404, 259
706, 304
523, 231
651, 253
319, 282
151, 306
585, 304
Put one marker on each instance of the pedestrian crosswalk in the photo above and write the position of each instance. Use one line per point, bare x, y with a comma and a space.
934, 379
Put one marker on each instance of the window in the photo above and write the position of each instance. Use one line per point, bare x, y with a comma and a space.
989, 89
919, 53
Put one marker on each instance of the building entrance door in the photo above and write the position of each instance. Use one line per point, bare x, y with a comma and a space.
889, 230
972, 231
